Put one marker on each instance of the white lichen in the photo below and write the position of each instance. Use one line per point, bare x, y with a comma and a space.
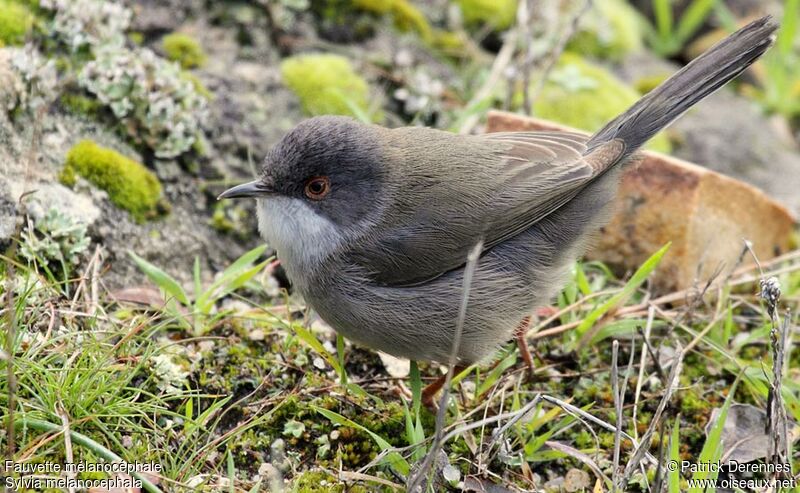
150, 95
78, 23
35, 81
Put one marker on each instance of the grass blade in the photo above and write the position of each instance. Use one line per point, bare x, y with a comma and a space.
712, 448
662, 10
694, 16
85, 441
163, 280
630, 287
306, 336
674, 474
788, 30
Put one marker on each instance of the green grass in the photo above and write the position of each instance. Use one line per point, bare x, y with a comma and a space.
668, 36
189, 386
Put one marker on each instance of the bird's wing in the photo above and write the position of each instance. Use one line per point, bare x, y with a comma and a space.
544, 171
520, 178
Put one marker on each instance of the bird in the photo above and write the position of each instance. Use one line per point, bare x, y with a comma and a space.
373, 225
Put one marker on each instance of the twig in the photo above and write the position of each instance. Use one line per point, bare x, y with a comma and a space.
578, 455
525, 21
357, 476
555, 54
739, 279
640, 450
617, 410
501, 61
642, 363
580, 412
68, 454
469, 271
519, 414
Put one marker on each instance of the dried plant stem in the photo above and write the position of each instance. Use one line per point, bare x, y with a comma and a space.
617, 411
651, 312
501, 61
555, 54
469, 271
779, 451
641, 449
580, 412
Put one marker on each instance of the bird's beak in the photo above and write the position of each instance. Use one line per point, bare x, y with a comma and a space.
255, 188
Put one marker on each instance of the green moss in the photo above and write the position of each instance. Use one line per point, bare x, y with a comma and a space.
406, 17
129, 185
325, 84
230, 219
499, 14
233, 367
647, 84
586, 96
318, 481
80, 104
349, 447
184, 49
198, 85
450, 43
136, 37
15, 21
610, 30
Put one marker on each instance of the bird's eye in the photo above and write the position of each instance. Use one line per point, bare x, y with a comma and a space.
317, 187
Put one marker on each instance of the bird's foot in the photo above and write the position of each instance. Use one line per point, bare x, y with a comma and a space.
433, 388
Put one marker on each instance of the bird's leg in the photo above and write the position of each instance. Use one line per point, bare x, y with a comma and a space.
522, 342
429, 392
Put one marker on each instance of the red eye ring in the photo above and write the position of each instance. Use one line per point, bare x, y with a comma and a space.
317, 187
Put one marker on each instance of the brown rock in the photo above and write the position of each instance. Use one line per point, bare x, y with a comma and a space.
662, 199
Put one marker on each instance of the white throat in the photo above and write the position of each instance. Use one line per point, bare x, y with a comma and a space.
301, 237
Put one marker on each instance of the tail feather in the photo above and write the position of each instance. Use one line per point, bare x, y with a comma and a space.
698, 79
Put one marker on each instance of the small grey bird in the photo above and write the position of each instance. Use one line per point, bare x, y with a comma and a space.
373, 226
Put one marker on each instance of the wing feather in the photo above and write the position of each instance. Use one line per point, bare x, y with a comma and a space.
517, 179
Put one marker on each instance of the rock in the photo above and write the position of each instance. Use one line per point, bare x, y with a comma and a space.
743, 437
44, 196
730, 134
577, 480
395, 367
171, 243
8, 213
160, 16
663, 199
251, 109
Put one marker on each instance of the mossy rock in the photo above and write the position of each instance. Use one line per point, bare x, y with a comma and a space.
16, 19
610, 30
586, 96
406, 17
184, 49
129, 184
499, 14
354, 20
319, 481
326, 84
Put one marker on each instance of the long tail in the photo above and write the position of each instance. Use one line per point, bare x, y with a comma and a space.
701, 77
